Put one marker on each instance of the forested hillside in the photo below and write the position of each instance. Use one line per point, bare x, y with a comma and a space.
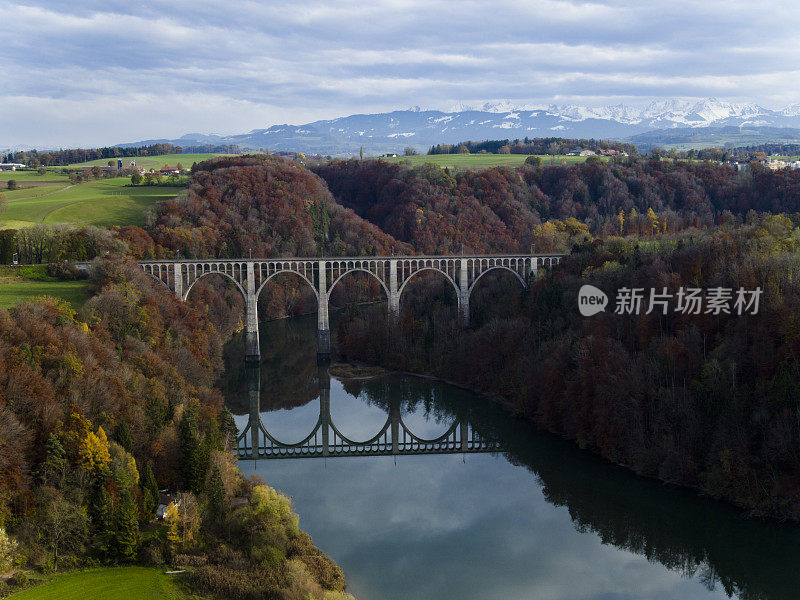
499, 208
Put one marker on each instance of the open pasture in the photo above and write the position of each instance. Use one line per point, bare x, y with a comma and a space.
118, 583
105, 202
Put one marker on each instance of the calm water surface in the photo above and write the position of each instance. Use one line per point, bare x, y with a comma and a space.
536, 518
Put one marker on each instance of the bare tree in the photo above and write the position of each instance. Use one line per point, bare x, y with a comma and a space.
63, 524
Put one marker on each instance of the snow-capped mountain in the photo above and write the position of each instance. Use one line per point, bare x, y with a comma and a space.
499, 119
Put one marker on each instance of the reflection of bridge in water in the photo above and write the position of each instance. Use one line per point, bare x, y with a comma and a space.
394, 438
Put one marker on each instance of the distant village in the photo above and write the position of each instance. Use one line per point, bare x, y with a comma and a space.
129, 168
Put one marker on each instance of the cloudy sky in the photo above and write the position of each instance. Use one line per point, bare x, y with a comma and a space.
102, 72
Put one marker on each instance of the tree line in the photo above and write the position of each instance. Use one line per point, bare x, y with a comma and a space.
549, 145
54, 158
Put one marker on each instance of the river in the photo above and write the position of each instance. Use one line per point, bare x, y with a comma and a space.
513, 513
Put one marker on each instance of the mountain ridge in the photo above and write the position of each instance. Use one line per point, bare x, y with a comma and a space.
498, 119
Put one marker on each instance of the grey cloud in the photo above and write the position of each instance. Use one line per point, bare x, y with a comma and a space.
297, 61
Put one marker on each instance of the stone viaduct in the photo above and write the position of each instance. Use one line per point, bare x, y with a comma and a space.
323, 274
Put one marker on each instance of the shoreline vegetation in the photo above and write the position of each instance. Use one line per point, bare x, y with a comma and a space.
355, 371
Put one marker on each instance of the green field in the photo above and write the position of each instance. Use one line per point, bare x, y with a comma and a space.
23, 177
120, 583
12, 293
18, 284
481, 161
104, 203
151, 162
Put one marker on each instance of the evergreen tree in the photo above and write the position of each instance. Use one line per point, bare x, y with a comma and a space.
104, 526
127, 528
228, 428
191, 450
149, 492
54, 466
123, 436
215, 493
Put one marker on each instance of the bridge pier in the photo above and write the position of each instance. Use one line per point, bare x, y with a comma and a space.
178, 279
252, 349
394, 294
463, 294
323, 327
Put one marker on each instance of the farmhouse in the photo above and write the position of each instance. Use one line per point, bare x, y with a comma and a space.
11, 166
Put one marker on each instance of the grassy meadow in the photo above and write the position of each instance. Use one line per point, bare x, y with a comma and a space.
481, 161
18, 284
105, 202
32, 177
119, 583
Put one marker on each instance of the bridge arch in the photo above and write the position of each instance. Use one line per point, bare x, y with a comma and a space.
354, 270
223, 273
496, 268
288, 272
426, 268
158, 279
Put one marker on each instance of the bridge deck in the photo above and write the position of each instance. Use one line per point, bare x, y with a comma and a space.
314, 258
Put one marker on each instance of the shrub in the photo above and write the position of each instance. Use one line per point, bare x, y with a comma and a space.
326, 572
150, 553
66, 271
189, 560
238, 585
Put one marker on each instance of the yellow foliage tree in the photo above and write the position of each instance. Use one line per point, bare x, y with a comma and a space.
172, 519
93, 452
652, 219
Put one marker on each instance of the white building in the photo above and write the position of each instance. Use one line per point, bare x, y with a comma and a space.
11, 166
